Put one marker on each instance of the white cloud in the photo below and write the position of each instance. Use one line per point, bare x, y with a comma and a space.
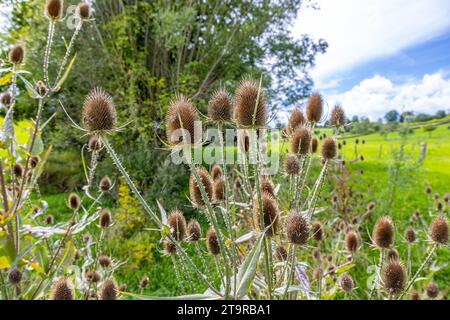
360, 31
375, 96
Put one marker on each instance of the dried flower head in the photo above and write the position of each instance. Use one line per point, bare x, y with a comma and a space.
105, 184
54, 9
194, 190
316, 254
439, 230
301, 141
194, 230
212, 242
428, 190
297, 228
94, 143
104, 261
17, 54
291, 164
314, 108
415, 295
14, 276
346, 283
105, 218
314, 144
317, 231
394, 277
18, 170
6, 99
144, 282
351, 241
280, 253
99, 112
92, 276
74, 201
237, 183
432, 290
266, 185
329, 149
62, 290
317, 273
250, 105
383, 234
181, 115
447, 197
84, 10
34, 160
169, 247
219, 189
216, 172
296, 120
177, 223
220, 106
338, 116
270, 213
410, 235
392, 254
108, 290
49, 219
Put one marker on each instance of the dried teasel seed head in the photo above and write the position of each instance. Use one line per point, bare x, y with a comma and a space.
92, 276
328, 149
370, 206
392, 254
237, 183
99, 112
436, 196
447, 197
415, 295
439, 230
54, 9
297, 119
104, 261
250, 105
212, 242
62, 290
410, 235
194, 190
219, 189
177, 223
314, 108
6, 99
74, 201
432, 290
301, 141
351, 241
216, 172
49, 219
84, 10
317, 273
297, 228
123, 287
316, 254
108, 290
105, 218
41, 88
169, 247
439, 206
428, 190
17, 54
194, 230
338, 116
181, 115
314, 144
270, 213
383, 233
94, 143
318, 233
34, 161
18, 170
291, 164
105, 184
14, 276
394, 277
346, 283
280, 253
220, 106
266, 185
144, 282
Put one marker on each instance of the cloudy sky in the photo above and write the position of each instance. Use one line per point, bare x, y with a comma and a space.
383, 54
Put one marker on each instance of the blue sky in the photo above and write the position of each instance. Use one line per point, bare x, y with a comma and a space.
383, 54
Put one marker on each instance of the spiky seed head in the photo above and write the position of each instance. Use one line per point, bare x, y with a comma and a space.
338, 116
447, 197
177, 223
14, 276
280, 253
169, 247
220, 106
104, 261
250, 103
361, 157
291, 164
194, 230
415, 295
394, 277
266, 185
317, 231
436, 196
212, 242
301, 141
346, 283
216, 172
194, 190
62, 290
392, 254
237, 183
383, 233
270, 213
18, 170
370, 206
6, 99
410, 235
105, 218
105, 184
351, 241
99, 112
92, 276
41, 88
316, 254
439, 206
34, 161
181, 115
17, 54
297, 228
84, 10
54, 9
296, 120
317, 273
219, 189
314, 108
428, 190
108, 290
94, 143
356, 141
328, 149
123, 287
144, 282
314, 144
74, 201
432, 290
49, 219
439, 230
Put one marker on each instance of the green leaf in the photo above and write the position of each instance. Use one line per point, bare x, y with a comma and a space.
344, 269
66, 73
30, 88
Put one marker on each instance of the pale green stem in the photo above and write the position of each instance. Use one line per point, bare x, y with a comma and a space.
51, 32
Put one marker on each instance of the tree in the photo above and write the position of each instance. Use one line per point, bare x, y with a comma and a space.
441, 114
392, 116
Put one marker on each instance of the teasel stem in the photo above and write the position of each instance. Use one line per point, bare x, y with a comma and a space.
48, 49
317, 189
93, 166
301, 178
219, 270
153, 216
200, 253
4, 288
177, 273
419, 271
379, 271
305, 176
186, 273
408, 266
5, 202
290, 274
68, 51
